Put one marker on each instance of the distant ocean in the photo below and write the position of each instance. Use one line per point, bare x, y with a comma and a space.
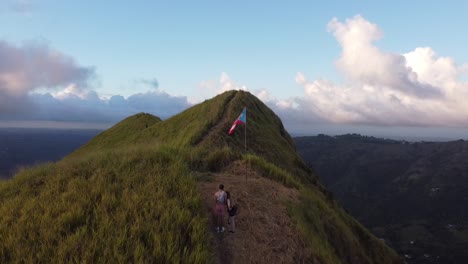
23, 147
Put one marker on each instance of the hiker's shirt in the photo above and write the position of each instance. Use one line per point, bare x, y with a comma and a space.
221, 197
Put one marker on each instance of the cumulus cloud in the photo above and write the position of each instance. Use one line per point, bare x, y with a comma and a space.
225, 83
158, 102
210, 88
34, 65
385, 88
290, 110
363, 62
26, 70
11, 106
417, 88
74, 91
71, 105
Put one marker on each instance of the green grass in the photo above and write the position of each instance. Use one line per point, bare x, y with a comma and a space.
335, 236
190, 126
118, 206
118, 135
271, 171
130, 195
266, 136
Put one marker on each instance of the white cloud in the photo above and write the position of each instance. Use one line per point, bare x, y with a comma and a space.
464, 69
288, 109
72, 104
227, 84
363, 62
264, 95
379, 88
384, 88
210, 88
34, 67
438, 71
71, 91
300, 78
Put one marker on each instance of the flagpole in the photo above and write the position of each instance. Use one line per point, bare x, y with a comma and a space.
245, 137
245, 141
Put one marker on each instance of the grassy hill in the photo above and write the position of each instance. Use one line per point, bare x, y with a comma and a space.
412, 194
130, 194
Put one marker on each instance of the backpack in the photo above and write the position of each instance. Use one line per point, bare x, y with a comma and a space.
233, 210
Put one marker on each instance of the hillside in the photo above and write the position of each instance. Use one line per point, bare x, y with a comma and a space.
140, 192
412, 194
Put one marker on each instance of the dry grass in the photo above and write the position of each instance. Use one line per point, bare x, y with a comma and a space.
264, 231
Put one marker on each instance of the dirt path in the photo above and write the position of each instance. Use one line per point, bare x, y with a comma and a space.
222, 122
264, 232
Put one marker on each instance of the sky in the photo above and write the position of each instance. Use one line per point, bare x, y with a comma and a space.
381, 68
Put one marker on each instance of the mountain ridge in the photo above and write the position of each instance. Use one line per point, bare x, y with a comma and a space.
143, 160
410, 193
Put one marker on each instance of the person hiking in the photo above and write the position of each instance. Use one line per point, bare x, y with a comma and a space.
220, 207
232, 209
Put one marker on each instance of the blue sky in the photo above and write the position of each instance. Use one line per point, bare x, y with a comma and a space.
196, 49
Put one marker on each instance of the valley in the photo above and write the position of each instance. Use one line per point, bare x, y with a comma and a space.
412, 195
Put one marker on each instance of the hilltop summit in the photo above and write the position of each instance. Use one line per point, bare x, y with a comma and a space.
140, 192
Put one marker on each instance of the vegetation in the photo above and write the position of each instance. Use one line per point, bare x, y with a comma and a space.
114, 206
119, 134
271, 171
129, 195
409, 194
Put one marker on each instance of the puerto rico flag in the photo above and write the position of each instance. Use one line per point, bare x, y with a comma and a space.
242, 119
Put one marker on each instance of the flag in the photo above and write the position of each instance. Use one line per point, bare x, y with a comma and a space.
242, 119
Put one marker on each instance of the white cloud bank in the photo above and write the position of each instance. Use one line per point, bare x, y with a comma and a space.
380, 88
210, 88
290, 110
418, 88
26, 69
384, 88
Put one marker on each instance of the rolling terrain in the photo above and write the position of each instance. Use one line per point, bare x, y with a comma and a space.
140, 192
413, 195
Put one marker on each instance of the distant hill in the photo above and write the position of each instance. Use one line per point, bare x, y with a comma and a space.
142, 192
412, 194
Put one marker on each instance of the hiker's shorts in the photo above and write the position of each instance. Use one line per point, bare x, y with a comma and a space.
220, 209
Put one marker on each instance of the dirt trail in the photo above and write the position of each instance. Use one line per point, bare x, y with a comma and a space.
219, 124
264, 232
